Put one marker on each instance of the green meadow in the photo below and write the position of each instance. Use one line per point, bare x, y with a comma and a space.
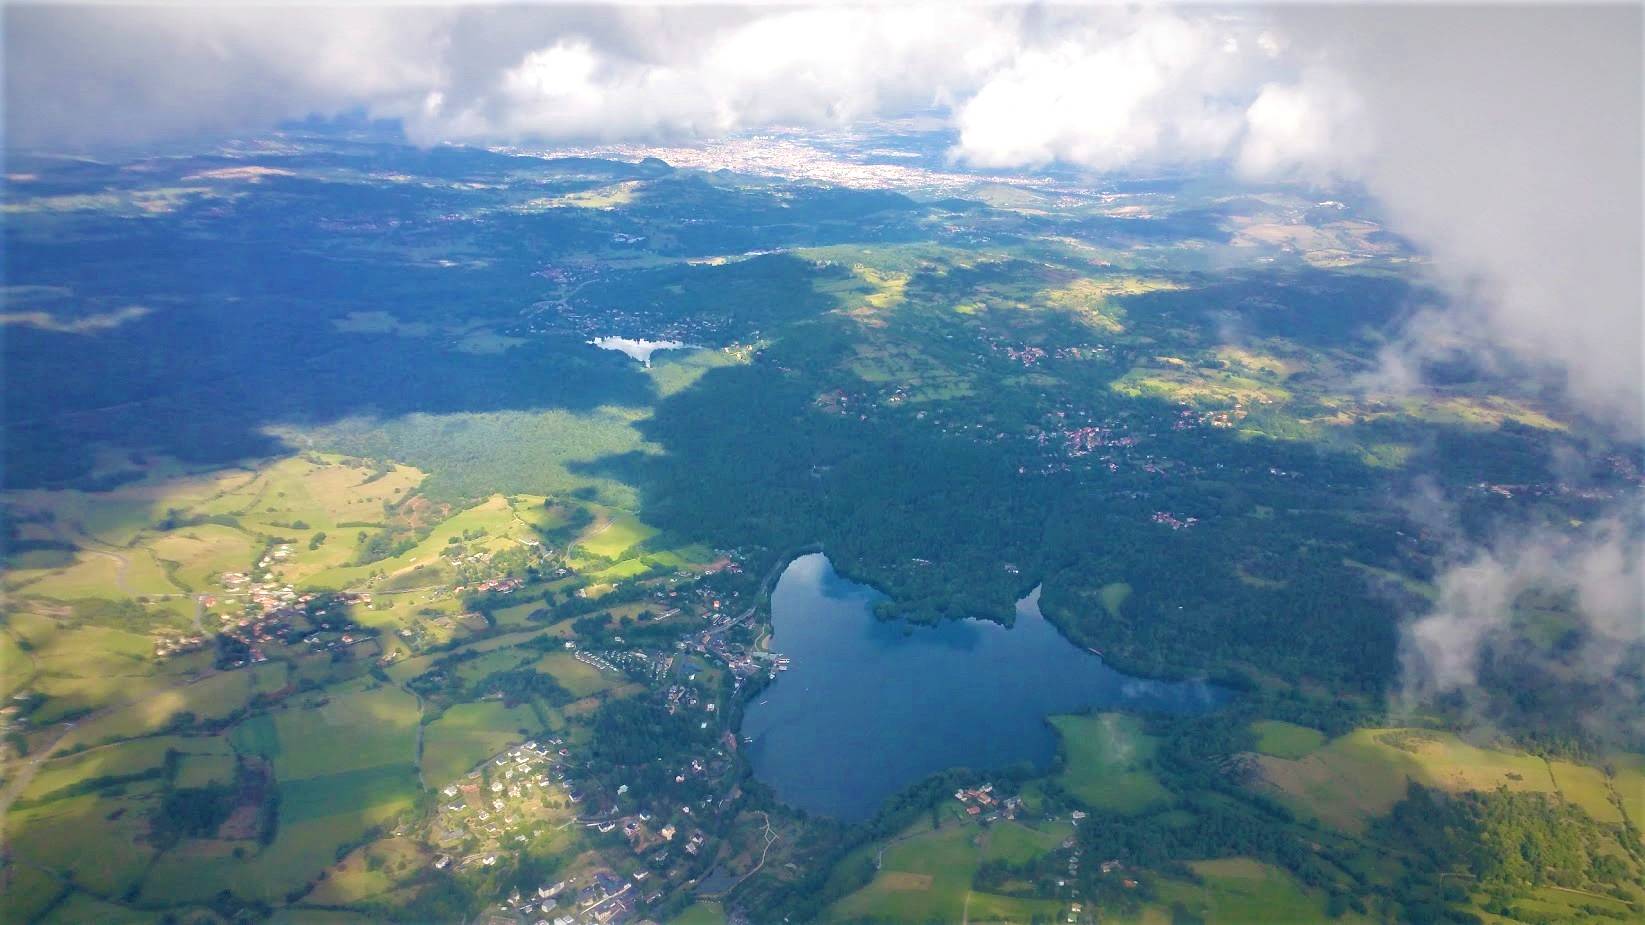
1286, 740
468, 733
1105, 762
1364, 773
1243, 891
350, 730
925, 875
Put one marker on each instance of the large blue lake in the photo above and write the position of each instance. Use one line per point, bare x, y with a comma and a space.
869, 707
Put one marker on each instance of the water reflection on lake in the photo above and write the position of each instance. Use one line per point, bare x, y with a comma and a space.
869, 707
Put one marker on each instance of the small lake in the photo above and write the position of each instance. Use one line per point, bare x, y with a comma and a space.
869, 707
638, 349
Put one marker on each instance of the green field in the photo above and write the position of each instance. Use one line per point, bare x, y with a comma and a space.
211, 697
1364, 773
345, 793
126, 758
926, 876
578, 678
613, 533
1242, 891
1551, 904
353, 730
197, 770
99, 573
123, 552
1114, 596
700, 913
98, 838
1588, 788
305, 844
494, 516
468, 733
1105, 758
26, 891
1286, 740
1630, 786
204, 551
370, 870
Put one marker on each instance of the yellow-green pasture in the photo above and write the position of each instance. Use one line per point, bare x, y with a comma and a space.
925, 875
612, 533
370, 871
1244, 890
495, 516
1364, 773
212, 696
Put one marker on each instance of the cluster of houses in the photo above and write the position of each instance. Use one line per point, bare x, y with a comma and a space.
680, 697
1083, 441
742, 661
605, 900
1189, 418
270, 610
492, 586
1544, 490
521, 793
1071, 882
1173, 521
1027, 356
983, 804
593, 660
637, 663
167, 645
1083, 352
522, 782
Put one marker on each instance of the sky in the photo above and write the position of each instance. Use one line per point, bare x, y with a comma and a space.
1505, 141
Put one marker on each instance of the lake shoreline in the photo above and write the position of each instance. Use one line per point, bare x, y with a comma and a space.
869, 708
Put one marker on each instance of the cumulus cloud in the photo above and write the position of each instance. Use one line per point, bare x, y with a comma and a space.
1141, 89
1583, 635
1132, 89
787, 66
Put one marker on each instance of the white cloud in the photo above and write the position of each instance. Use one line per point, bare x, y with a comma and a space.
1133, 89
1601, 567
787, 66
1312, 128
